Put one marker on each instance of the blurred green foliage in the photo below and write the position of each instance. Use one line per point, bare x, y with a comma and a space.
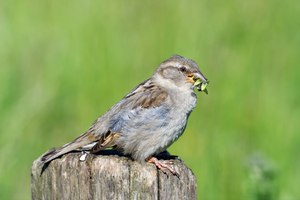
64, 63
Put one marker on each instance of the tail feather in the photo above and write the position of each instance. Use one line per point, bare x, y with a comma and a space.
82, 140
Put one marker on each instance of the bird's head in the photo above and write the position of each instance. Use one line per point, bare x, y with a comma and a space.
181, 72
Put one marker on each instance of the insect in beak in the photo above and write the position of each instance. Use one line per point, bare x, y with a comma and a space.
201, 85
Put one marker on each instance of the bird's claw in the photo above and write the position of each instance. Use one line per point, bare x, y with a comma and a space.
164, 166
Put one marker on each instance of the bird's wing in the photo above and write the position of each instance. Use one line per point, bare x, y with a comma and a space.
130, 112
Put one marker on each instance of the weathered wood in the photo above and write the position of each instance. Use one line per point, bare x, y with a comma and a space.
109, 176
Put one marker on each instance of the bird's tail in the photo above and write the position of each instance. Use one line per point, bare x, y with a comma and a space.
82, 140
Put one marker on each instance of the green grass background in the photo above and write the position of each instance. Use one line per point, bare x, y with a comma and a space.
64, 63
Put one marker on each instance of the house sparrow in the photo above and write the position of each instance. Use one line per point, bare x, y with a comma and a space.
148, 119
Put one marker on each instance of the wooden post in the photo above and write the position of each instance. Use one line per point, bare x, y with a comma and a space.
109, 176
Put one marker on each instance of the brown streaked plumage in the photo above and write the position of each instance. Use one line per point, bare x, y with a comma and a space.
152, 97
109, 140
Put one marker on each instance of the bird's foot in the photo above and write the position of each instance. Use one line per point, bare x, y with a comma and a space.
164, 166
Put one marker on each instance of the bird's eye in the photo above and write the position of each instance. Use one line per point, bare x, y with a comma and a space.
182, 69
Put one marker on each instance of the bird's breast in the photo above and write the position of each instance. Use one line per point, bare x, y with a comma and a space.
182, 106
183, 101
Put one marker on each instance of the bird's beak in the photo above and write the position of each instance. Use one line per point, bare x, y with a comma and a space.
200, 82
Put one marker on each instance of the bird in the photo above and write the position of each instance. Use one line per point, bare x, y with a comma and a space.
148, 119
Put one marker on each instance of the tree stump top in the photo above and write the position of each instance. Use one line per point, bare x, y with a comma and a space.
109, 176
